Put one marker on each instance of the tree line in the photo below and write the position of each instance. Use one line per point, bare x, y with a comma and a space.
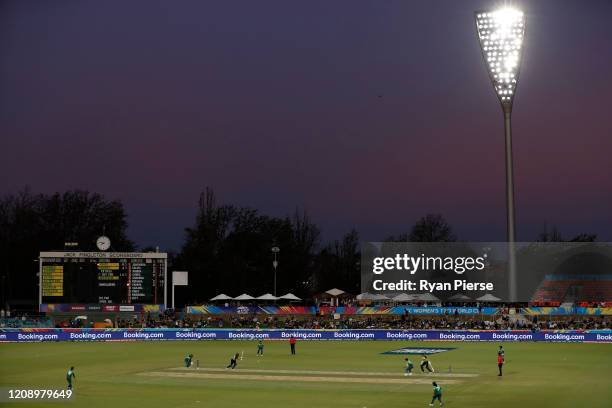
227, 249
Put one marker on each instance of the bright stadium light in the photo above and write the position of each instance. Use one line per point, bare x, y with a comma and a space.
501, 35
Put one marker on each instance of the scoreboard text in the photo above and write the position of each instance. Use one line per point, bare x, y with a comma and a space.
102, 278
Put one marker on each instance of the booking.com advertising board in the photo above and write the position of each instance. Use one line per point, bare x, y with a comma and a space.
50, 335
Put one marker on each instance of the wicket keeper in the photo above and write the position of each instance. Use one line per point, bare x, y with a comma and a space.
69, 377
437, 394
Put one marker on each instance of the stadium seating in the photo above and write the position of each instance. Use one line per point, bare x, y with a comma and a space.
557, 289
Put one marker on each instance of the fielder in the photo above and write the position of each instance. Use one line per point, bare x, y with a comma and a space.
409, 367
70, 377
260, 347
437, 394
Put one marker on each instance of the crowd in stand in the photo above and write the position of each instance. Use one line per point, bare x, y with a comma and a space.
503, 320
25, 321
407, 322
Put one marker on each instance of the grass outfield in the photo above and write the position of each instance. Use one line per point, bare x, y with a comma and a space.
322, 374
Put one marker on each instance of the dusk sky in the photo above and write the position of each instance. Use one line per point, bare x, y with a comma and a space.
368, 114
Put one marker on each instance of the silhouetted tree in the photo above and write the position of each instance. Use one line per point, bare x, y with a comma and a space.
229, 250
430, 228
554, 235
31, 223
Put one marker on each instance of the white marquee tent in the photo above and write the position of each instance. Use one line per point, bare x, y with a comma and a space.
222, 296
267, 296
289, 296
244, 296
488, 298
403, 297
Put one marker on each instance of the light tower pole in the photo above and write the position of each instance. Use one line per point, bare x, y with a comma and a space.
500, 34
275, 250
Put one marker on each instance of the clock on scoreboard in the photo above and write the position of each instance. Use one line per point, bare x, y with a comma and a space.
106, 281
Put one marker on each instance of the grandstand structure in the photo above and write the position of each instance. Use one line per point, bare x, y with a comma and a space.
581, 290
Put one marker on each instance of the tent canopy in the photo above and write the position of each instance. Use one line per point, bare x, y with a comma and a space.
404, 297
426, 297
290, 296
267, 296
460, 297
365, 296
380, 297
222, 296
244, 296
488, 298
335, 292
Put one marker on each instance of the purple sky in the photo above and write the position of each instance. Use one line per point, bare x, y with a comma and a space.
368, 114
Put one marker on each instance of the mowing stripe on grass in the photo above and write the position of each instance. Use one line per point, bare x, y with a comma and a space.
348, 373
285, 378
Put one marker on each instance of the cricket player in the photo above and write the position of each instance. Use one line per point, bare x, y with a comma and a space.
70, 376
292, 341
188, 360
260, 347
437, 394
233, 361
500, 364
409, 367
426, 364
501, 352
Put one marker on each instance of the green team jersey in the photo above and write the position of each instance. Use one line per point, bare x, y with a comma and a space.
437, 391
409, 364
70, 375
260, 345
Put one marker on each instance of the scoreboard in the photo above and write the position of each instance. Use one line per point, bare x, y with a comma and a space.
101, 280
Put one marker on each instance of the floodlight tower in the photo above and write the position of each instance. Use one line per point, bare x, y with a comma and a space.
501, 33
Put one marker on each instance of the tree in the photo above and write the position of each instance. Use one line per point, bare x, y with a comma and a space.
338, 265
432, 228
31, 223
555, 236
229, 250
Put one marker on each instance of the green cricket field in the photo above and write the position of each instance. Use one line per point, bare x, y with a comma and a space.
322, 374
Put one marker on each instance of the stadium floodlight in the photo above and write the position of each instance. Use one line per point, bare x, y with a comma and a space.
501, 35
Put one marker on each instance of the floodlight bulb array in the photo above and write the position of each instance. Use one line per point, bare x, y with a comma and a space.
501, 35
